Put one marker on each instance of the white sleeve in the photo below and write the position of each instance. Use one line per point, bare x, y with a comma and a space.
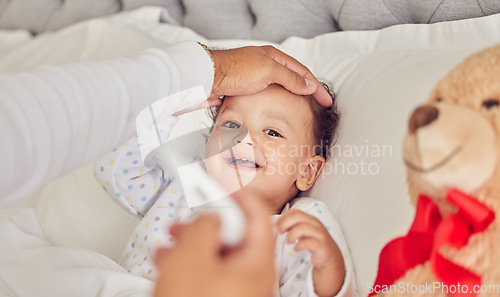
58, 118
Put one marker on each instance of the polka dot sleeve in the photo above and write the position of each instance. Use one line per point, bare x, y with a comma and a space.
127, 180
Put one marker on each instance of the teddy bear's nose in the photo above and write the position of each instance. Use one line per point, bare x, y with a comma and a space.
422, 116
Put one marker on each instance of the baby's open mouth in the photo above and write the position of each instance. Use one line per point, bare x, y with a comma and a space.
241, 162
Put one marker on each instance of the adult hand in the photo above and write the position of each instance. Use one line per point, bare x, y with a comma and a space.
199, 264
248, 70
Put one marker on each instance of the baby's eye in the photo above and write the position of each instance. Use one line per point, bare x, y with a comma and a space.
231, 125
272, 133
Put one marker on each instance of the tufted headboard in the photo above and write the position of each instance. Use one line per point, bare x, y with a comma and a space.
271, 20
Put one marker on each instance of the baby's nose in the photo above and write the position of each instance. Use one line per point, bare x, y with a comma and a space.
246, 140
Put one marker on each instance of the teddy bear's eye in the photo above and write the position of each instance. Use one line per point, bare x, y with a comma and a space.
439, 99
491, 103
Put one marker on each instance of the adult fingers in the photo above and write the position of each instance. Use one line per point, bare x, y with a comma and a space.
321, 95
159, 255
201, 237
256, 254
289, 62
299, 85
195, 255
176, 229
303, 83
210, 102
259, 238
292, 81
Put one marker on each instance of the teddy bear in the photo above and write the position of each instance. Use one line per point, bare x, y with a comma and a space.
452, 156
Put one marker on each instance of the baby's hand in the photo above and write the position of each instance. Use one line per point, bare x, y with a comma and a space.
310, 234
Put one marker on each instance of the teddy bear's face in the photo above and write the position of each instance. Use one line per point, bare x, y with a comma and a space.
453, 140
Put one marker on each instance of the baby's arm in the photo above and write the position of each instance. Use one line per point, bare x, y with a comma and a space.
309, 230
127, 180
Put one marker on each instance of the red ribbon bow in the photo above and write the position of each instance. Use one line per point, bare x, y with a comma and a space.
428, 234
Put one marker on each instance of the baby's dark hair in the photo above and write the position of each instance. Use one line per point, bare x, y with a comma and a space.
324, 126
325, 123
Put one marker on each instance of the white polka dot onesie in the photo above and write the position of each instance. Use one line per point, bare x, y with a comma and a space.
152, 195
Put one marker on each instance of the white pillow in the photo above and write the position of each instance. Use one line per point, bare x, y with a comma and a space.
379, 77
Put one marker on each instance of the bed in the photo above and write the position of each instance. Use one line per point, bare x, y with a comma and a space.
383, 57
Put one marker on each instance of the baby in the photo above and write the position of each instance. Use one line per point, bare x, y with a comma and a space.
282, 152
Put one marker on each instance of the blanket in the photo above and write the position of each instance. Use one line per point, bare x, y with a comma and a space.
31, 266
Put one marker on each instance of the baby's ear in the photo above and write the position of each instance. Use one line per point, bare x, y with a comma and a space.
309, 172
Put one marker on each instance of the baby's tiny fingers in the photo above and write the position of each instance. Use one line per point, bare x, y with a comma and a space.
294, 217
310, 244
303, 230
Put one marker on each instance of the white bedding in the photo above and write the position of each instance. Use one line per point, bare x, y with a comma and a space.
66, 241
32, 266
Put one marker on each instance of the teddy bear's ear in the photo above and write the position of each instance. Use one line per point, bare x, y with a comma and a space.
434, 96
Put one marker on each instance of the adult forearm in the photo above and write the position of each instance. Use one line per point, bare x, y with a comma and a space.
55, 119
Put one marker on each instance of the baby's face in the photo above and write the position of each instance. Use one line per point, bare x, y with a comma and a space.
271, 139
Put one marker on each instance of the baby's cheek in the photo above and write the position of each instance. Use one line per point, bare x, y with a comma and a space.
226, 176
212, 146
212, 166
268, 148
